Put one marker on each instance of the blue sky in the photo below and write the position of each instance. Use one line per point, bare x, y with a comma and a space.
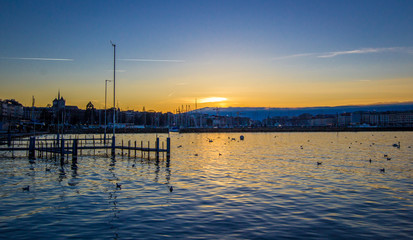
251, 53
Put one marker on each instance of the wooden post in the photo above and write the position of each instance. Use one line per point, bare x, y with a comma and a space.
32, 148
94, 149
129, 148
74, 151
62, 151
39, 150
54, 147
113, 146
135, 148
168, 148
122, 147
141, 149
149, 151
157, 148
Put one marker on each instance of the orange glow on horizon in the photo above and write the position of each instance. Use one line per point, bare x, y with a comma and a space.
212, 99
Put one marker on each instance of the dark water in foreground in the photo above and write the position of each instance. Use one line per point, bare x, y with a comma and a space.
265, 187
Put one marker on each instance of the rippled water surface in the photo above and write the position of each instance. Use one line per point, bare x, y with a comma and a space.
268, 186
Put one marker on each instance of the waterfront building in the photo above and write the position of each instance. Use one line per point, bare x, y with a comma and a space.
11, 112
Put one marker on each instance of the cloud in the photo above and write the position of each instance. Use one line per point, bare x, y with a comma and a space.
359, 51
39, 59
150, 60
408, 50
170, 94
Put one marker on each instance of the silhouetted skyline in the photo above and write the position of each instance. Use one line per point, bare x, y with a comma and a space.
222, 53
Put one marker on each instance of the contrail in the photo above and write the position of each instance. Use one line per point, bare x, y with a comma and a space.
408, 50
149, 60
39, 59
358, 51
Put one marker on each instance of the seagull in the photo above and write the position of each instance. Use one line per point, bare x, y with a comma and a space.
118, 186
319, 163
389, 158
171, 189
382, 170
26, 188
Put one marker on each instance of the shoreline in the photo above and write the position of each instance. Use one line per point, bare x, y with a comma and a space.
4, 136
295, 129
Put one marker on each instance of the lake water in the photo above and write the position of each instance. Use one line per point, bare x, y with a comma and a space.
267, 186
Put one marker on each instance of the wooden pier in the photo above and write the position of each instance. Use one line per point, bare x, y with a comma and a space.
61, 147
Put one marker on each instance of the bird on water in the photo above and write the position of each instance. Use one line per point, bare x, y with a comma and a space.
171, 188
118, 186
26, 188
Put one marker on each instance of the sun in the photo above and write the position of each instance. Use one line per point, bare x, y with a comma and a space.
212, 99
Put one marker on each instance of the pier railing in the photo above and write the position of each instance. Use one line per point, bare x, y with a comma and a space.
61, 147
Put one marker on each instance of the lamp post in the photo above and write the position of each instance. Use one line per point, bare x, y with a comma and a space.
114, 99
106, 90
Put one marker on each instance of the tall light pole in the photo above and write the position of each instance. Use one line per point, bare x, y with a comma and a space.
114, 99
106, 90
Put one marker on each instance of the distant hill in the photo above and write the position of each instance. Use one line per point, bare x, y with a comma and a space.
259, 113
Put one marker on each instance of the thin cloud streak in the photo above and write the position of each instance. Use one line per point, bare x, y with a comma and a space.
150, 60
359, 51
408, 50
39, 59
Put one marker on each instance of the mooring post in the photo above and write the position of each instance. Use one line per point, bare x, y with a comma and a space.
39, 147
122, 147
32, 148
149, 150
135, 148
74, 151
62, 151
113, 146
157, 148
141, 150
129, 148
168, 147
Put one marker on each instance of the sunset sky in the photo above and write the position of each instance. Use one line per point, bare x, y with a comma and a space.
222, 53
